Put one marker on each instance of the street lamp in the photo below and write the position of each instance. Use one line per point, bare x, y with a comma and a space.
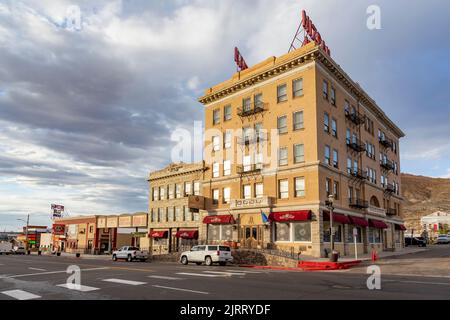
26, 231
329, 204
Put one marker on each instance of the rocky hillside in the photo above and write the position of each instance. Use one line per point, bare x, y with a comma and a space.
423, 195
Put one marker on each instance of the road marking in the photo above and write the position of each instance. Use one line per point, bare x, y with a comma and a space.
420, 282
226, 273
244, 271
49, 272
418, 275
21, 295
165, 278
131, 283
200, 275
180, 289
37, 269
77, 287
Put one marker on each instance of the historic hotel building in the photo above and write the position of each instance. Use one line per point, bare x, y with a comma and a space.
281, 137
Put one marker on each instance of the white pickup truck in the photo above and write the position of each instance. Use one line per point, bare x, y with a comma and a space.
130, 253
6, 247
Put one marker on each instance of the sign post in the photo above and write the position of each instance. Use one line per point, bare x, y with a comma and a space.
355, 234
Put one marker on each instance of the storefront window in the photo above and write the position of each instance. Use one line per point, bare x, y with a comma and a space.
327, 232
213, 232
374, 235
350, 234
220, 232
282, 231
302, 231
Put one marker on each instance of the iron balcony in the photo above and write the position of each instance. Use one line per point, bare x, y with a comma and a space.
387, 164
356, 145
391, 212
257, 138
249, 169
359, 174
355, 117
385, 142
389, 188
258, 107
358, 203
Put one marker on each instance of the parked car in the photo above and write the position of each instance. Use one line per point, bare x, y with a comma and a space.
207, 254
130, 253
18, 250
6, 248
415, 241
442, 239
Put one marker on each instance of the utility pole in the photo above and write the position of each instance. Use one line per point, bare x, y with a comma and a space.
26, 233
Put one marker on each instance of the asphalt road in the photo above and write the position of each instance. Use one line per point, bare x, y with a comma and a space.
45, 277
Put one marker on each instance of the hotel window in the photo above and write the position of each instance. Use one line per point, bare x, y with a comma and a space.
355, 166
215, 193
171, 192
259, 131
247, 191
299, 187
226, 195
282, 125
178, 216
216, 116
196, 188
327, 155
348, 136
162, 193
328, 186
298, 120
246, 132
227, 136
215, 170
282, 156
160, 215
336, 190
283, 189
155, 194
216, 143
154, 215
186, 214
350, 193
259, 190
259, 100
170, 214
325, 89
281, 93
178, 190
349, 165
227, 167
326, 122
297, 88
299, 153
188, 188
246, 104
333, 96
347, 107
247, 163
394, 147
227, 113
334, 127
259, 161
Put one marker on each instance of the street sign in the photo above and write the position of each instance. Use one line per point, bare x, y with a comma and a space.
355, 232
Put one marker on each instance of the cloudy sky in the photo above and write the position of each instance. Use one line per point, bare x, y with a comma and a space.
87, 110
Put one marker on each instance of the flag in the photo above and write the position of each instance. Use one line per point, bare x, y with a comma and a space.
264, 217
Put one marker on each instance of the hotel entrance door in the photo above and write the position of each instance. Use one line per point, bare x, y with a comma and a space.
252, 236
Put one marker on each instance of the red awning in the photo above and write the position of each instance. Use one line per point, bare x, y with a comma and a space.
223, 219
400, 227
337, 217
377, 224
359, 221
187, 234
287, 216
158, 234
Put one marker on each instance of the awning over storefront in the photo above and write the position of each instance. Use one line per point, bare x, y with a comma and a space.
159, 234
222, 219
287, 216
377, 224
337, 217
359, 221
187, 234
400, 227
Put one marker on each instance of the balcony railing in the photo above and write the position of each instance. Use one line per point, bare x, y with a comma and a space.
391, 212
385, 142
387, 164
257, 138
256, 108
358, 203
355, 117
356, 145
358, 174
251, 168
389, 188
376, 211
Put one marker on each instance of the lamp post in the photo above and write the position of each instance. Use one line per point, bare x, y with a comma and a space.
26, 231
329, 204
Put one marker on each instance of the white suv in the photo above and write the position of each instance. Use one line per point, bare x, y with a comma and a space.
208, 254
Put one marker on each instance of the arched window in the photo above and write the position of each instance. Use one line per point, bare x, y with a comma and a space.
374, 202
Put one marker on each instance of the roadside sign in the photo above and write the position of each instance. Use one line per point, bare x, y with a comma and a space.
355, 232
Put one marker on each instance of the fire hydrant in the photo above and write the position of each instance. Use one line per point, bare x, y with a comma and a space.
374, 255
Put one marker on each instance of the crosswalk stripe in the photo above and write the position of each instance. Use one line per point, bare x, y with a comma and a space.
77, 287
180, 289
37, 269
131, 283
200, 275
244, 271
226, 273
21, 295
165, 278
